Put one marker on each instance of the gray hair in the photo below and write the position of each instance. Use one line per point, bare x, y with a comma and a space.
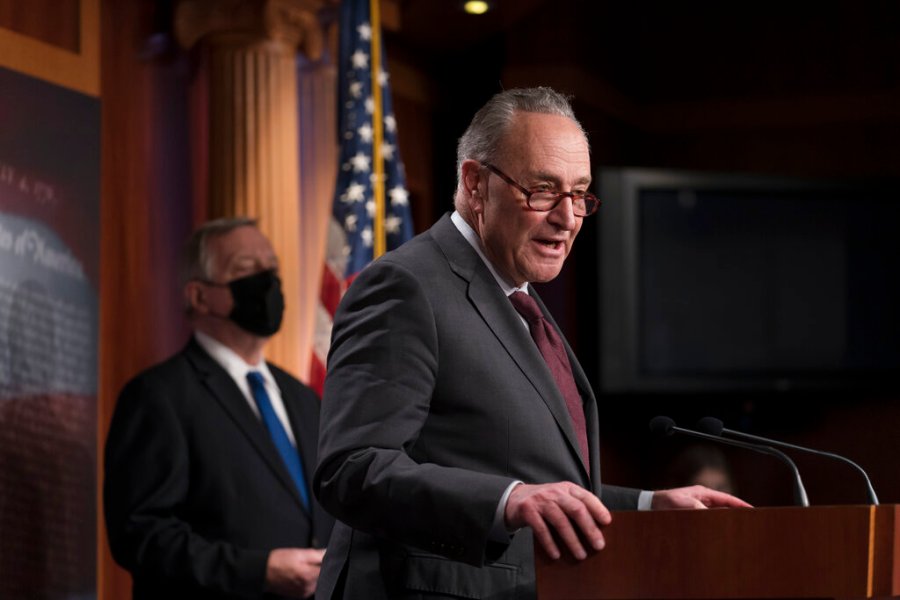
482, 138
196, 260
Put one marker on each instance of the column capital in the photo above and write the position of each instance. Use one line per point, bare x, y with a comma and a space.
294, 23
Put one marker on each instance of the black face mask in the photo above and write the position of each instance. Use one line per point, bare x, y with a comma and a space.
258, 303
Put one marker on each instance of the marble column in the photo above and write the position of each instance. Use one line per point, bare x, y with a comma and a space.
249, 50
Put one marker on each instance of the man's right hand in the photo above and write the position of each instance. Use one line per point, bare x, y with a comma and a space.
293, 572
563, 509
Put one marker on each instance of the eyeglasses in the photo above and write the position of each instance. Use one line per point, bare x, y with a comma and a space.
583, 203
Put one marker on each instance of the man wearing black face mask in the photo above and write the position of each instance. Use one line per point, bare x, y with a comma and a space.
210, 454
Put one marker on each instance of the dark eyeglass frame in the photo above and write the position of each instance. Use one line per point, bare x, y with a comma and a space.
590, 201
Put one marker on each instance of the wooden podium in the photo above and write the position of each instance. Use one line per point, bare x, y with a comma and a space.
818, 552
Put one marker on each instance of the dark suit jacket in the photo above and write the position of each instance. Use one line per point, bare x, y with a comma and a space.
196, 494
436, 400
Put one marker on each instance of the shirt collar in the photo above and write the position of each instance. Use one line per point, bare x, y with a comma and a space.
467, 232
229, 360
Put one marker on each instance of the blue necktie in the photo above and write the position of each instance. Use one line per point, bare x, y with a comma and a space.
289, 454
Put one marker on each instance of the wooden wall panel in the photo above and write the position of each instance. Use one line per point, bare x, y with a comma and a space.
146, 213
54, 22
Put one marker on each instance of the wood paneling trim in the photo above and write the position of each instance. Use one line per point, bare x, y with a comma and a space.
79, 71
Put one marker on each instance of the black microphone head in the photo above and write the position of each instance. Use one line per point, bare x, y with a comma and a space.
662, 426
710, 426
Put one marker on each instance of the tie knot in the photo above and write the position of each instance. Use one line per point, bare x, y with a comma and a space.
255, 378
526, 306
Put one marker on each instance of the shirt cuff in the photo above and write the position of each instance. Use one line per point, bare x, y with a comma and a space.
645, 500
499, 532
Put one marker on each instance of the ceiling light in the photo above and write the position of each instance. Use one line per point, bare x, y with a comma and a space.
476, 7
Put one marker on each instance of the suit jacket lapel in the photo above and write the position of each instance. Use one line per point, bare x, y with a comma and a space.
503, 320
222, 387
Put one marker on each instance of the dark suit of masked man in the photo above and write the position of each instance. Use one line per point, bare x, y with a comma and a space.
210, 454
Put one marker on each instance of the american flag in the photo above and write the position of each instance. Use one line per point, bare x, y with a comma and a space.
370, 212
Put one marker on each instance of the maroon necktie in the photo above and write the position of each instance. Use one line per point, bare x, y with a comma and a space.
551, 347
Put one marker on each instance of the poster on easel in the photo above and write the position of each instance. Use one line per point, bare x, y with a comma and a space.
49, 289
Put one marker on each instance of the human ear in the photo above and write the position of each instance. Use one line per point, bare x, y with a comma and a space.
472, 180
195, 297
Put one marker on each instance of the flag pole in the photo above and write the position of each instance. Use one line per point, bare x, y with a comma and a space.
379, 245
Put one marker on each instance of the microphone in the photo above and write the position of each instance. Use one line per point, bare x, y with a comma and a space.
664, 426
714, 427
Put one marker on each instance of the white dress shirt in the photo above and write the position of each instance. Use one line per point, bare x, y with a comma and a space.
235, 366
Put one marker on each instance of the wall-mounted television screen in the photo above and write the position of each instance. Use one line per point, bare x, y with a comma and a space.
735, 282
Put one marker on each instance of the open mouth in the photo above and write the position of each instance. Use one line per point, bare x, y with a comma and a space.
550, 244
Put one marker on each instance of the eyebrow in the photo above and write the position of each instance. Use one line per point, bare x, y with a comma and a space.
548, 177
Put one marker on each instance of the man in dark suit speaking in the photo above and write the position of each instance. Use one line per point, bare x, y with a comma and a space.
210, 454
454, 412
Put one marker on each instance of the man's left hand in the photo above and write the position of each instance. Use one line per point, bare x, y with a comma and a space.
695, 496
293, 572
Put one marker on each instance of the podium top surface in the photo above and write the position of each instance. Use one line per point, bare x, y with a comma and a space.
815, 552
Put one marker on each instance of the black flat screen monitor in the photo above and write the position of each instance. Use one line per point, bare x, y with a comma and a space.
725, 282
